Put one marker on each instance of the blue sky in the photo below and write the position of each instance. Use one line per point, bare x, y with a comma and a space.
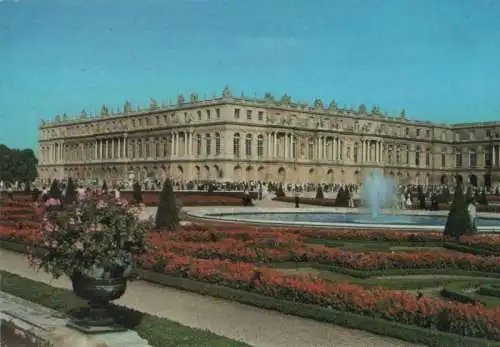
437, 59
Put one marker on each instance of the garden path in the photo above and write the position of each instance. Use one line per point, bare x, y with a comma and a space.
254, 326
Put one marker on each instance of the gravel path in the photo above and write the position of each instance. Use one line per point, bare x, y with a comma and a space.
254, 326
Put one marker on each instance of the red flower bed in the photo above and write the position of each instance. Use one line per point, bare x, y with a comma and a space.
152, 198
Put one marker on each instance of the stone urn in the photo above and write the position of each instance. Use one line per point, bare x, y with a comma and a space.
98, 287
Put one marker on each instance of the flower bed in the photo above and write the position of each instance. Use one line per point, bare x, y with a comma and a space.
227, 257
152, 198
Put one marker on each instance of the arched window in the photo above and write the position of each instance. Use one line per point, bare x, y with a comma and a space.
472, 158
417, 156
236, 145
198, 145
458, 158
248, 145
310, 150
260, 146
443, 158
217, 144
208, 144
428, 157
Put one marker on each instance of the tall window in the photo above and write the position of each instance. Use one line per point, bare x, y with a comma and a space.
260, 146
158, 148
217, 144
355, 153
208, 144
236, 145
443, 159
472, 158
217, 113
248, 145
458, 158
407, 155
417, 156
148, 149
428, 157
198, 145
249, 114
341, 150
294, 147
260, 115
236, 113
310, 150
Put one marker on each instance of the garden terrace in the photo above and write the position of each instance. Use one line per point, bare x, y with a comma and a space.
391, 277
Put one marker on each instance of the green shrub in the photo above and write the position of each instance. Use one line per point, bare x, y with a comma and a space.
167, 214
458, 222
104, 187
55, 192
70, 196
137, 193
319, 193
280, 192
342, 199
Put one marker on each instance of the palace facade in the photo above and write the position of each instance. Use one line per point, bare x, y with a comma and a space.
231, 138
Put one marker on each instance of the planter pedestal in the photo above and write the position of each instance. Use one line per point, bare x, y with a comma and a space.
97, 317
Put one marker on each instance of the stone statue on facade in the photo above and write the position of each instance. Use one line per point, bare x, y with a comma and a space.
194, 98
318, 104
285, 99
127, 108
104, 111
332, 106
226, 93
153, 105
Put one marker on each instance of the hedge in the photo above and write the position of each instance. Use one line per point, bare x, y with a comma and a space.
159, 332
409, 333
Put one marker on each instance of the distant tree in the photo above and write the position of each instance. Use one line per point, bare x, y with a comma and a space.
137, 193
319, 192
167, 213
55, 191
458, 222
17, 165
70, 196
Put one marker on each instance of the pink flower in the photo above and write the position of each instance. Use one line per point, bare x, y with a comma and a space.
54, 244
53, 202
101, 205
79, 245
49, 227
94, 228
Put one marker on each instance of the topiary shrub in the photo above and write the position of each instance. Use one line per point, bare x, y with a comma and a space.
319, 193
70, 196
137, 193
104, 187
55, 192
483, 198
458, 222
342, 199
167, 213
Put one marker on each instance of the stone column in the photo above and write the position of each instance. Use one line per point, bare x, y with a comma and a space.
275, 145
268, 143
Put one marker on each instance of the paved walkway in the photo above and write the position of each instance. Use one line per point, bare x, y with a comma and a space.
254, 326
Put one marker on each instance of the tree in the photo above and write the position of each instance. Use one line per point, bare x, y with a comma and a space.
137, 193
167, 214
70, 196
17, 165
55, 191
458, 222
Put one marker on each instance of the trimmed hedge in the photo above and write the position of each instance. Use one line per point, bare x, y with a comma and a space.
159, 332
467, 249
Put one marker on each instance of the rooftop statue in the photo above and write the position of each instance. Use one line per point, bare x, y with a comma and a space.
362, 109
153, 105
104, 111
318, 104
42, 122
127, 108
403, 114
268, 97
332, 106
285, 99
65, 117
194, 98
180, 99
57, 119
375, 111
226, 93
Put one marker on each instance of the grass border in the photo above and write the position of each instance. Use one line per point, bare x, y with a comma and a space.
158, 331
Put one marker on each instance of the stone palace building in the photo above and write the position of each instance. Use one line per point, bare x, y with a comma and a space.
230, 138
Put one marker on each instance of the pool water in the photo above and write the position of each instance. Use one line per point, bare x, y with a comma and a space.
352, 218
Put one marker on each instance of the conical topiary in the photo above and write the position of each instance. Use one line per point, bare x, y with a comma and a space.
342, 199
104, 187
55, 192
458, 222
137, 193
319, 193
70, 196
167, 214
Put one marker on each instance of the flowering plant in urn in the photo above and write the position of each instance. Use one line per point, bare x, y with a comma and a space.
98, 237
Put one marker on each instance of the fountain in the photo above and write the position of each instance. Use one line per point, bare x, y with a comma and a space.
378, 192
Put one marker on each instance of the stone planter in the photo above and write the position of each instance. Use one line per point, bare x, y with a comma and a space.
98, 292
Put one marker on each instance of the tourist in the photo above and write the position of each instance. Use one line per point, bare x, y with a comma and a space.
408, 202
472, 210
